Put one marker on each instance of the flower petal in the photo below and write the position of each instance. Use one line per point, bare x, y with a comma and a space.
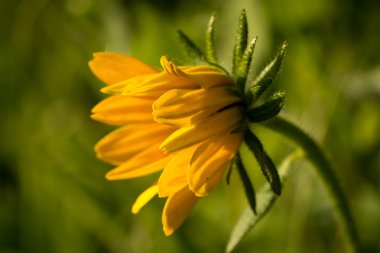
152, 85
182, 107
174, 176
204, 76
122, 110
186, 119
226, 120
144, 198
125, 142
210, 161
207, 76
177, 208
112, 68
146, 162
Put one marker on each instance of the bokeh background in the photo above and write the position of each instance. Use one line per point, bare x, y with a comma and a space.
53, 194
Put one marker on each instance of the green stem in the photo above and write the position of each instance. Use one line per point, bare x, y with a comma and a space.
316, 156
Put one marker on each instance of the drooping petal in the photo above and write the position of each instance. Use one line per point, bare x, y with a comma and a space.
185, 137
186, 119
144, 198
125, 142
194, 100
152, 85
210, 161
174, 176
203, 76
207, 76
113, 68
146, 162
182, 107
177, 208
122, 110
120, 87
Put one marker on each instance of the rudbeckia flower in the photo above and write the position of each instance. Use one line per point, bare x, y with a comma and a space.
186, 121
180, 121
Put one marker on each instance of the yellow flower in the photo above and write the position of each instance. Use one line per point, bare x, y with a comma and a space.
180, 120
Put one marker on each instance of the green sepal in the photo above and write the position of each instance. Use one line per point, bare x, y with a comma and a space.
190, 47
267, 110
245, 64
267, 166
229, 171
272, 175
266, 77
210, 41
241, 41
248, 187
194, 51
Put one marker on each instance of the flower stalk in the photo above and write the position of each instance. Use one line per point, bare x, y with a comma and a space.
325, 171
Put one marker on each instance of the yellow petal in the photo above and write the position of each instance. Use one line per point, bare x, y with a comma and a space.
182, 107
152, 85
146, 162
132, 83
186, 119
204, 76
122, 110
207, 76
174, 176
194, 100
170, 68
176, 210
112, 68
125, 142
226, 120
144, 198
210, 161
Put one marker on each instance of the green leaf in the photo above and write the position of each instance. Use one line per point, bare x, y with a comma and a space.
241, 41
265, 200
189, 46
248, 187
267, 166
266, 77
210, 41
245, 64
267, 110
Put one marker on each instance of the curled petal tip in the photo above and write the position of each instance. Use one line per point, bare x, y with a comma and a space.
167, 231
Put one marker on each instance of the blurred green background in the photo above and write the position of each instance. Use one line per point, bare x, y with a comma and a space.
53, 194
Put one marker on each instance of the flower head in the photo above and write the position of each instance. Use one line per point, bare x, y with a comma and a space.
186, 121
180, 120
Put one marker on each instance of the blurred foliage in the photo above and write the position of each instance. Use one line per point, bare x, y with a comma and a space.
53, 194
